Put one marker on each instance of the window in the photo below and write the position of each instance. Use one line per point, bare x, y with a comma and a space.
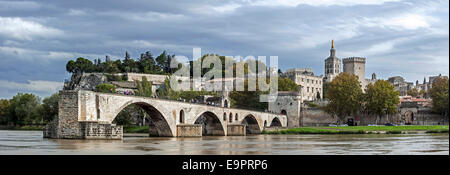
224, 116
181, 116
307, 89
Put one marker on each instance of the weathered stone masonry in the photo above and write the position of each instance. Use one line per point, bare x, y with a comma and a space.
89, 115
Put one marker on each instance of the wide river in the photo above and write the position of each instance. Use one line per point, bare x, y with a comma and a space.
31, 142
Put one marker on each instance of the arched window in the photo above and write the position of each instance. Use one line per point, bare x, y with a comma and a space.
181, 116
236, 117
224, 116
231, 117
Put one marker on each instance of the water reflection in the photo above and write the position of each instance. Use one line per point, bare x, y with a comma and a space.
31, 142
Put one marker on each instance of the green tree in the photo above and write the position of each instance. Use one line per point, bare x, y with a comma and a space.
71, 66
381, 98
166, 92
4, 107
422, 92
129, 114
325, 89
439, 94
105, 88
344, 96
81, 64
286, 84
22, 109
128, 65
161, 62
144, 88
414, 92
147, 63
49, 108
248, 99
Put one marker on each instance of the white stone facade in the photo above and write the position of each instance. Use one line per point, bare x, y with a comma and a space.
309, 83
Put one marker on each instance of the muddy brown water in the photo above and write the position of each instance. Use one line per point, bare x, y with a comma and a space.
31, 142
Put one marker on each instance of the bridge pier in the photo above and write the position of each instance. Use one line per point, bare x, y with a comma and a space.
189, 130
236, 130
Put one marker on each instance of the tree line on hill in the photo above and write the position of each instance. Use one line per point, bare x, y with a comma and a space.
146, 63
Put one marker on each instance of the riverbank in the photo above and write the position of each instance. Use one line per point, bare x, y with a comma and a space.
135, 129
410, 129
363, 130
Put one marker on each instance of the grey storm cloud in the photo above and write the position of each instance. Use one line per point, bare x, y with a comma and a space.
398, 37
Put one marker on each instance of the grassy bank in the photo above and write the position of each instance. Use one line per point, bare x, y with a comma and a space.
361, 130
135, 129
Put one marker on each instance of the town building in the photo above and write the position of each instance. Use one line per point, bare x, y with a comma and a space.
400, 85
356, 66
310, 85
427, 85
332, 65
352, 65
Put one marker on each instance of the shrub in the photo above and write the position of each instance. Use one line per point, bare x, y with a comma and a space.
106, 88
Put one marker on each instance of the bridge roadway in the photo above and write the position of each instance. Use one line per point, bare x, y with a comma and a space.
167, 117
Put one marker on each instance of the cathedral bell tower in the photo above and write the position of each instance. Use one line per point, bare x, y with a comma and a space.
332, 65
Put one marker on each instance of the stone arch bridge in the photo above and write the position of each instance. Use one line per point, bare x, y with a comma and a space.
89, 115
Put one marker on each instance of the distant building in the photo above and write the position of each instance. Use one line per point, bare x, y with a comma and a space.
309, 83
352, 65
332, 65
401, 85
425, 86
356, 66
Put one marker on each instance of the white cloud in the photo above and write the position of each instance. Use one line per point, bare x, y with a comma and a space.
32, 85
76, 12
30, 54
150, 16
226, 8
408, 21
151, 45
375, 49
294, 3
18, 28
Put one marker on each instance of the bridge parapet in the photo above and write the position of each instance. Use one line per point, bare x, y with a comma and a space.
79, 110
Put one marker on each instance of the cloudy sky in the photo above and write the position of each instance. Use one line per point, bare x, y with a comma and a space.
398, 37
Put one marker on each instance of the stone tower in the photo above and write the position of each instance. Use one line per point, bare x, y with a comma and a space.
356, 66
332, 65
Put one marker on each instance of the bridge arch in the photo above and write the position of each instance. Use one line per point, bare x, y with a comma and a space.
275, 122
211, 124
251, 124
158, 125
